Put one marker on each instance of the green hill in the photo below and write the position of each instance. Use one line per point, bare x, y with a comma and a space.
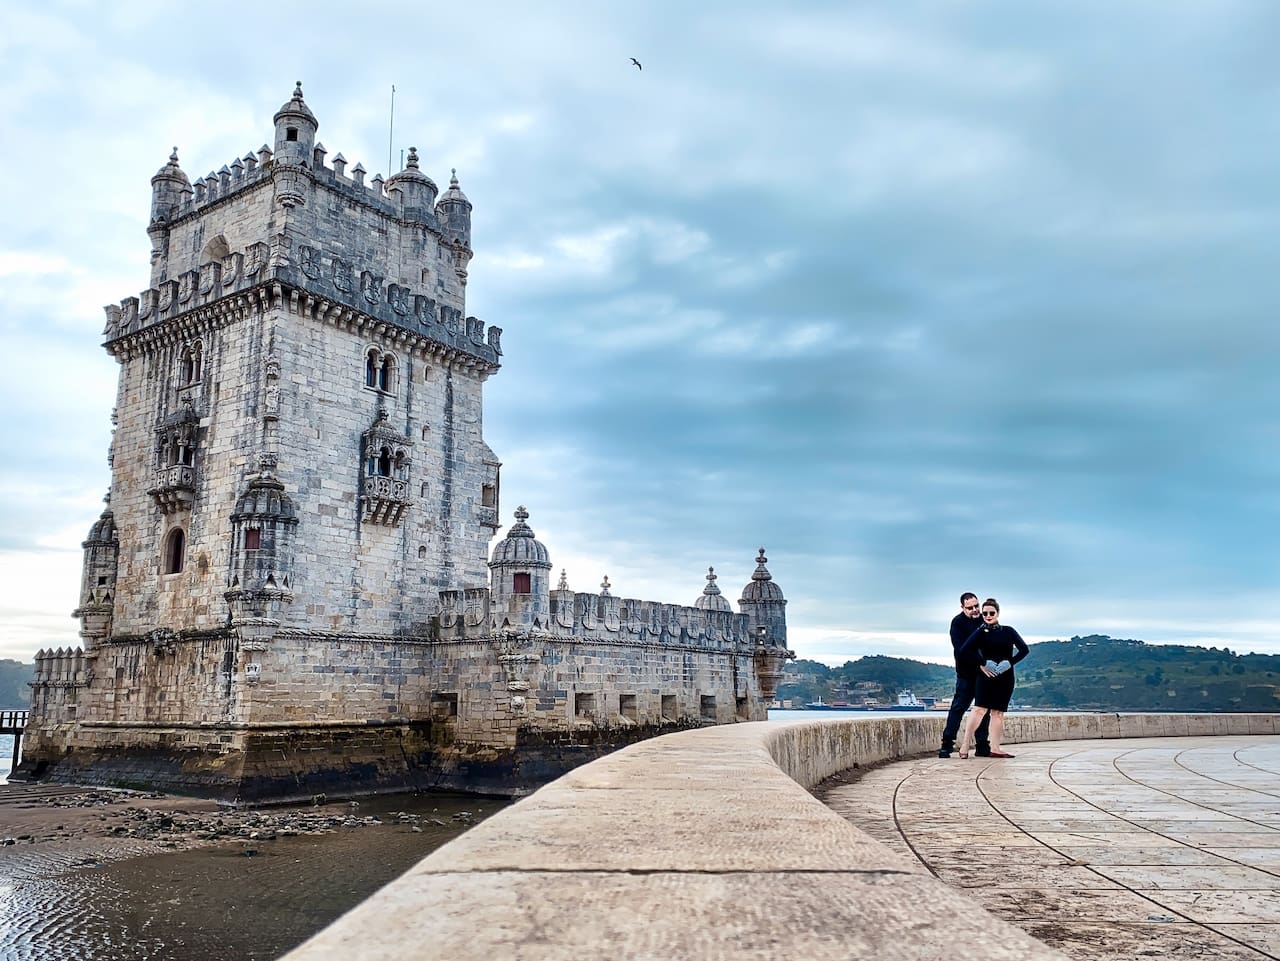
1085, 673
13, 683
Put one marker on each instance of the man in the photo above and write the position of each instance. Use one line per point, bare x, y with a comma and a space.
962, 627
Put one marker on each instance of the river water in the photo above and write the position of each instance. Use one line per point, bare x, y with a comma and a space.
215, 903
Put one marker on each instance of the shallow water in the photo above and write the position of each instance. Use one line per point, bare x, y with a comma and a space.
215, 903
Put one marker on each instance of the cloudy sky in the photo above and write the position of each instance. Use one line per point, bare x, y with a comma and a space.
922, 297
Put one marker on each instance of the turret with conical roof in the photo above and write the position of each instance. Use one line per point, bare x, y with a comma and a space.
414, 192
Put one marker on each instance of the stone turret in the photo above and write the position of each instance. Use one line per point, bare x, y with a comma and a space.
170, 189
98, 582
260, 581
296, 128
414, 192
520, 578
763, 602
454, 213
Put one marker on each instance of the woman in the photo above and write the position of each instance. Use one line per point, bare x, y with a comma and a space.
995, 648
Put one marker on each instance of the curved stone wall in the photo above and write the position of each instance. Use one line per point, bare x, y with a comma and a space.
705, 845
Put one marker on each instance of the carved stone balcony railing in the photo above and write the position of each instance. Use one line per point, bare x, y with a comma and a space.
384, 500
175, 488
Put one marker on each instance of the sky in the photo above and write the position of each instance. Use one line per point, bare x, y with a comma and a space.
922, 297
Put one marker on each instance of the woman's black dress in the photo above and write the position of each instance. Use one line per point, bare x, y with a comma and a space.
998, 643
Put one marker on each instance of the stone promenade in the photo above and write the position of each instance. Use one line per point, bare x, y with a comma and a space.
1108, 850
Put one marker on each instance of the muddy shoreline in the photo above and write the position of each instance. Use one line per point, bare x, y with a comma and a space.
97, 874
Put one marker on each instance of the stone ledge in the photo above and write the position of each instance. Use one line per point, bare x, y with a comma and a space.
706, 844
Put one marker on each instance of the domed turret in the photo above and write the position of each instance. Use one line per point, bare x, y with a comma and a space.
98, 579
417, 191
454, 214
520, 587
169, 189
296, 128
712, 599
763, 602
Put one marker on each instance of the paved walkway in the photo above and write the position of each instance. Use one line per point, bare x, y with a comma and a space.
1108, 850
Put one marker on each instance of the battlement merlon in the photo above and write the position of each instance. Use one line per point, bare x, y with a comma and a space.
398, 228
315, 282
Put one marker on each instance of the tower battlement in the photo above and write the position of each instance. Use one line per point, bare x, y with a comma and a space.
398, 232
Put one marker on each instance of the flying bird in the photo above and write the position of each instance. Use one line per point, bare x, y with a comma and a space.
637, 63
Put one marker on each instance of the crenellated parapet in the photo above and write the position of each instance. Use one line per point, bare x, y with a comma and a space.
322, 284
63, 667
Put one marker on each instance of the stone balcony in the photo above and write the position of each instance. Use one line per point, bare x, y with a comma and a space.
384, 499
175, 488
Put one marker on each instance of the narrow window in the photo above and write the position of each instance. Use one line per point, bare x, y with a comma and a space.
520, 584
744, 709
291, 134
425, 431
424, 489
385, 374
371, 369
384, 463
422, 553
252, 539
400, 471
174, 551
488, 496
188, 456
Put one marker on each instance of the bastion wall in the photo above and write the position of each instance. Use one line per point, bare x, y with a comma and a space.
705, 845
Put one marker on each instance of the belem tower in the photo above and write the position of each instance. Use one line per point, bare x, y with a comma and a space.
290, 591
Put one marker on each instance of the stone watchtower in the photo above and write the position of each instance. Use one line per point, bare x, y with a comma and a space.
298, 452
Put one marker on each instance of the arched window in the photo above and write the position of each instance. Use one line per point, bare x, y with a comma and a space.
384, 463
386, 374
425, 488
192, 361
371, 369
422, 553
400, 471
175, 549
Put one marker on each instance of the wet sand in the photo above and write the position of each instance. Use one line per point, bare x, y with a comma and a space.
91, 875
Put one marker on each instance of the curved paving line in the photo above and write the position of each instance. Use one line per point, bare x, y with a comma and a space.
1129, 888
1217, 780
1265, 770
1207, 807
903, 834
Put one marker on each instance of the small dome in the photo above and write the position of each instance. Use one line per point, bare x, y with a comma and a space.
454, 194
712, 599
520, 547
171, 171
265, 497
412, 172
761, 586
103, 530
295, 106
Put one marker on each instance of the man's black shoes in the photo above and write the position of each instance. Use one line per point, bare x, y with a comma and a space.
944, 753
983, 751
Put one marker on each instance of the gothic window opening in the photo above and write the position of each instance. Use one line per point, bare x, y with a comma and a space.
253, 539
425, 488
385, 374
520, 584
371, 369
192, 362
384, 463
175, 548
422, 553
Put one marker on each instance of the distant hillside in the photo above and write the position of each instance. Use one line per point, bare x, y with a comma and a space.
13, 683
1085, 673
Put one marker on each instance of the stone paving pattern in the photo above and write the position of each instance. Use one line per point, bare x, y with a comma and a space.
1108, 850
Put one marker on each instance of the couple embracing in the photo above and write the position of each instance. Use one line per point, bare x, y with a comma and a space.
985, 652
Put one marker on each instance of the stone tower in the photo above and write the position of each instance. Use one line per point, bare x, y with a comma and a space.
290, 591
303, 349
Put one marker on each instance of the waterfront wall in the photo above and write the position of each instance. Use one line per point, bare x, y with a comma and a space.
707, 844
